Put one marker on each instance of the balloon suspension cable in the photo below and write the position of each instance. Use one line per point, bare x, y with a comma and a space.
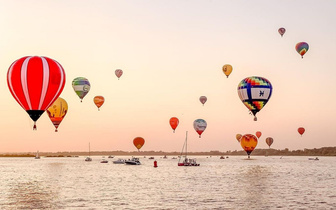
34, 127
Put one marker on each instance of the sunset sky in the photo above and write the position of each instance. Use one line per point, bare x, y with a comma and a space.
172, 52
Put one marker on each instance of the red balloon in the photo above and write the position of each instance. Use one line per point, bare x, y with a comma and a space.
258, 134
173, 123
35, 83
203, 99
301, 130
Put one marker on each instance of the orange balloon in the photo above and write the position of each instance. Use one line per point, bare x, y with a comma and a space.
258, 134
173, 123
301, 130
138, 142
99, 100
248, 142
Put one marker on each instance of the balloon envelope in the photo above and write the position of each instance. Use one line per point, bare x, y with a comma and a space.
199, 126
118, 73
81, 86
301, 130
269, 141
57, 112
258, 134
227, 69
203, 99
173, 123
254, 92
238, 136
302, 48
138, 142
248, 142
281, 31
35, 83
99, 101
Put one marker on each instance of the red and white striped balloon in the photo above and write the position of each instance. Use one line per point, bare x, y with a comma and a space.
35, 83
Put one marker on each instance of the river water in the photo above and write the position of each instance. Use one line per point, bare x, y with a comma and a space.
231, 183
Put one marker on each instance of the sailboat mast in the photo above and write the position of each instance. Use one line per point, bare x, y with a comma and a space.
186, 143
89, 149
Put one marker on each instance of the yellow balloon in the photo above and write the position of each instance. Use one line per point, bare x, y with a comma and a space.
238, 136
57, 111
227, 69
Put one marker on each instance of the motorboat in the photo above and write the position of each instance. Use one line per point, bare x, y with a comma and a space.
119, 161
88, 158
103, 161
151, 158
165, 157
313, 158
222, 157
186, 161
110, 156
37, 156
133, 161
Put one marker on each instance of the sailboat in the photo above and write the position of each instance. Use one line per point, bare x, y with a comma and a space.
37, 156
88, 158
185, 160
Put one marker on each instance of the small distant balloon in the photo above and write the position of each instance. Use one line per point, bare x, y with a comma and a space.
199, 126
173, 123
99, 101
238, 136
118, 73
302, 48
258, 134
203, 99
57, 112
81, 86
281, 31
301, 130
138, 142
227, 69
269, 141
248, 142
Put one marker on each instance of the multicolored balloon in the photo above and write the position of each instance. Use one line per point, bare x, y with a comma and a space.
248, 142
227, 69
302, 48
81, 86
203, 99
258, 134
281, 31
301, 130
35, 83
138, 142
57, 112
238, 136
118, 73
269, 141
199, 126
254, 92
99, 101
173, 123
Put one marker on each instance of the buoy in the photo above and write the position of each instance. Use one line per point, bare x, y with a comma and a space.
155, 164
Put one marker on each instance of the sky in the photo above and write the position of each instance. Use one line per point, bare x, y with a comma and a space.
171, 53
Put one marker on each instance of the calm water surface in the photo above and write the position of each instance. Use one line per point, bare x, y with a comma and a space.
233, 183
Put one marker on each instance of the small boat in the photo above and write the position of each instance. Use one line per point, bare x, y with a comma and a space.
165, 157
37, 156
103, 161
133, 161
221, 157
186, 161
110, 156
151, 158
88, 158
119, 161
313, 158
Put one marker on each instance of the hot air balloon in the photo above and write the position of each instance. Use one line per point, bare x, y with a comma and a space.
238, 136
57, 112
254, 92
138, 142
199, 126
81, 86
203, 99
248, 143
118, 73
269, 141
99, 100
227, 69
35, 83
281, 31
301, 130
258, 134
173, 123
302, 48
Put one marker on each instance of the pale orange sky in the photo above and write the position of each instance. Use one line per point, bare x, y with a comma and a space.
172, 53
